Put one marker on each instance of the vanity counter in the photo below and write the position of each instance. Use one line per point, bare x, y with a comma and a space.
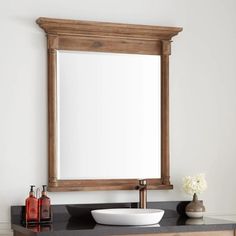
171, 225
167, 225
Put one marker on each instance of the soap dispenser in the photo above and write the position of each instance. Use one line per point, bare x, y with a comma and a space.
31, 205
44, 206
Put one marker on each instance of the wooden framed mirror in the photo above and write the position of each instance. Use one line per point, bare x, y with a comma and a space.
108, 105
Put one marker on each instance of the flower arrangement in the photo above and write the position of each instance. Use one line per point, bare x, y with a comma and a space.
194, 184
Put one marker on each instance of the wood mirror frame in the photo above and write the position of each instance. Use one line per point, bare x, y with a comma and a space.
106, 37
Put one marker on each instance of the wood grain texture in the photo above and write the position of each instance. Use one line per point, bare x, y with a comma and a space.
165, 159
206, 233
97, 44
102, 184
52, 117
106, 37
106, 29
203, 233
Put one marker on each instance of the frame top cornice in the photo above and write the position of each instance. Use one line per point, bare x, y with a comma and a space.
105, 29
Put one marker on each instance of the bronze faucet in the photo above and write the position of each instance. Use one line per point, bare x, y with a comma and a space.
142, 187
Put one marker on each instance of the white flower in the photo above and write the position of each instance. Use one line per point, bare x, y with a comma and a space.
194, 184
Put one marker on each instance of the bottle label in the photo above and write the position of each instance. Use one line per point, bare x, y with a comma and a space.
45, 212
33, 214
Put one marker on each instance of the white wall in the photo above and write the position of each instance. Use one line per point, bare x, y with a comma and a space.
202, 86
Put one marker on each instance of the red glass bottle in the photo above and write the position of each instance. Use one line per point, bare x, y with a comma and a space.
31, 205
44, 206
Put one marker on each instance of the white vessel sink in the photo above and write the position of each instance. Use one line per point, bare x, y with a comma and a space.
127, 216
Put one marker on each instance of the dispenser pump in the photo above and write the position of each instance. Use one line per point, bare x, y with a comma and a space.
32, 189
44, 189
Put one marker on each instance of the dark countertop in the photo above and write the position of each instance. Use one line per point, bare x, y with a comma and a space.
82, 223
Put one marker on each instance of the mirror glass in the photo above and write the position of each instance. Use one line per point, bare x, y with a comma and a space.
108, 115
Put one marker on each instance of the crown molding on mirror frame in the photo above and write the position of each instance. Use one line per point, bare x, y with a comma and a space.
106, 37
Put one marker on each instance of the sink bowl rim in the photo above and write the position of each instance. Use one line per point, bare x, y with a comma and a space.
128, 211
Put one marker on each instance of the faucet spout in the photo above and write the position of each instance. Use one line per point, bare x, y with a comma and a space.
142, 187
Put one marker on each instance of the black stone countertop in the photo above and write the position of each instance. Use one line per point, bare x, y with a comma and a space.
82, 224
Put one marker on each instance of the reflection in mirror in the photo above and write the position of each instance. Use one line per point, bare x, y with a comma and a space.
108, 115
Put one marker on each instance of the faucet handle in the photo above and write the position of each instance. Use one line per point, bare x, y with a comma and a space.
142, 182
